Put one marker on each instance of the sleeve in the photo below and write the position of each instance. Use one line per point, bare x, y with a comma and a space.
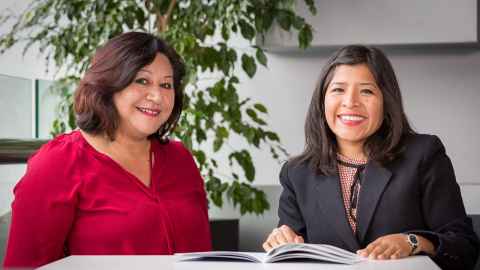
42, 211
200, 237
452, 233
288, 209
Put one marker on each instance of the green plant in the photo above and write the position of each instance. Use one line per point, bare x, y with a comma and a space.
68, 31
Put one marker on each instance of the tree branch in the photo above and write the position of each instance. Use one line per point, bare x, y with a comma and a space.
163, 19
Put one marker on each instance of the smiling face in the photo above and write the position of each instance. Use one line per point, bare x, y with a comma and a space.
353, 105
146, 103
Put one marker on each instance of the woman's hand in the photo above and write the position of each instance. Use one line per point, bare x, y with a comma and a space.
280, 236
394, 246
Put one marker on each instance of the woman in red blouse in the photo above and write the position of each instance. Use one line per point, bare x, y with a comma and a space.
117, 185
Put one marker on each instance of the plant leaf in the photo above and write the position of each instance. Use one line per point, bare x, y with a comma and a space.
248, 65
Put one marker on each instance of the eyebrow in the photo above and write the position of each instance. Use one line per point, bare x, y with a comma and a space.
148, 71
364, 83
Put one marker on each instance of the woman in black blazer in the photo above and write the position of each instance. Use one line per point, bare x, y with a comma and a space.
366, 182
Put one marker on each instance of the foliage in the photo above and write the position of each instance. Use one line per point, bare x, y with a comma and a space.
203, 32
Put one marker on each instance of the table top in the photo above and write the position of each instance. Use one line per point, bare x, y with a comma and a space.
170, 262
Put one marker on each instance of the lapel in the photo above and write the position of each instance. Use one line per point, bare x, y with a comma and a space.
375, 180
330, 202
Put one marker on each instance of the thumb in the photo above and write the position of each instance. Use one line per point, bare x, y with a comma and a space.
299, 239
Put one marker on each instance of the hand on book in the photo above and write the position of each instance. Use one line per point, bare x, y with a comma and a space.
280, 236
394, 246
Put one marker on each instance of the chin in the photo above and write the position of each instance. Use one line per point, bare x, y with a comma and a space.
145, 132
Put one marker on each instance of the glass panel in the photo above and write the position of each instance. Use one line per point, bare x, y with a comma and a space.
16, 110
47, 106
10, 174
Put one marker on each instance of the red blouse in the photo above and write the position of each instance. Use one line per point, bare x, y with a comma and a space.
76, 200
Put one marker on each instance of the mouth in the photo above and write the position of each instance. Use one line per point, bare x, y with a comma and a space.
351, 119
149, 111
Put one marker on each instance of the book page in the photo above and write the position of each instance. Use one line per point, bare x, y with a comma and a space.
313, 251
233, 255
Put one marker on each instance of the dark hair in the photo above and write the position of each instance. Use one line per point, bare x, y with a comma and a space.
113, 67
386, 143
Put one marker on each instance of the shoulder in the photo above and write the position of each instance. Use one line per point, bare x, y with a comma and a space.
173, 148
178, 154
423, 145
296, 171
54, 166
61, 151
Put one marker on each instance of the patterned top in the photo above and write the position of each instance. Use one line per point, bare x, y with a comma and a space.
346, 175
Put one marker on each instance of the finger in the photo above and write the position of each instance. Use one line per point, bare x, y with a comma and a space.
366, 251
280, 237
362, 252
288, 233
377, 251
387, 253
299, 239
399, 254
266, 246
272, 240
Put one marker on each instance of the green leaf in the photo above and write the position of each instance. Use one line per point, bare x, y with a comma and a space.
268, 18
260, 107
305, 36
244, 159
200, 156
261, 57
272, 136
225, 32
248, 65
222, 132
201, 135
298, 22
253, 115
311, 6
217, 144
246, 30
284, 19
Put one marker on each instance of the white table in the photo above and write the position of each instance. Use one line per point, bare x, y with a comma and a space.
169, 262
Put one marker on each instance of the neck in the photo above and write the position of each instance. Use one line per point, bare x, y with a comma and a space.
123, 145
352, 150
130, 144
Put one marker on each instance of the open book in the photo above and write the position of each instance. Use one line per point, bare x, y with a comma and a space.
325, 253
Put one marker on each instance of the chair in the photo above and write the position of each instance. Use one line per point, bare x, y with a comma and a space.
4, 227
476, 227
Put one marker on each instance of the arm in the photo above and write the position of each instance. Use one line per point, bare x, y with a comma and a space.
192, 219
288, 209
42, 212
291, 227
456, 244
451, 241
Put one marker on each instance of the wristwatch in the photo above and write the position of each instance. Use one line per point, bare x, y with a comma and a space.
412, 241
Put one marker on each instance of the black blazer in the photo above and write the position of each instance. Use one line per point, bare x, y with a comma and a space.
416, 193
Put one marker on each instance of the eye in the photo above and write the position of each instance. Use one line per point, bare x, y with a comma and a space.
366, 92
337, 90
166, 85
141, 81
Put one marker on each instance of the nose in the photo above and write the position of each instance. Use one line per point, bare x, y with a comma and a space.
155, 95
350, 99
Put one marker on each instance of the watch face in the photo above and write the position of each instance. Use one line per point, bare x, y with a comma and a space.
413, 239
